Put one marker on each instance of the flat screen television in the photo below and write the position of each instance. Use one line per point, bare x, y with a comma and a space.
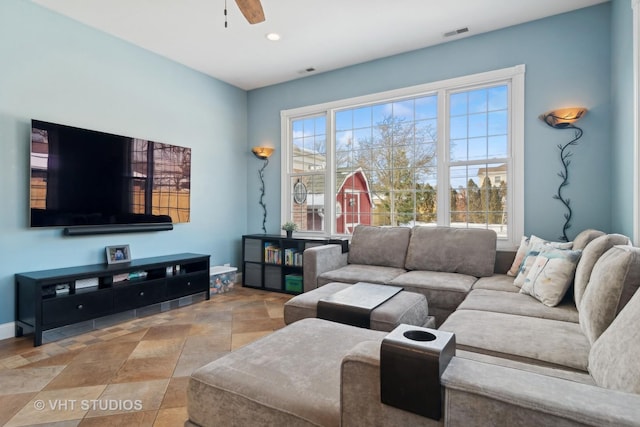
82, 177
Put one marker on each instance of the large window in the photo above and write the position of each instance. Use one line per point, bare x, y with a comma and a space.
447, 153
479, 157
385, 163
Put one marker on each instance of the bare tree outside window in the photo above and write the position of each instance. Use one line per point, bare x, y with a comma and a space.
398, 159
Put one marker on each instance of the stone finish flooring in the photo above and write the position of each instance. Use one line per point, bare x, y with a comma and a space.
131, 374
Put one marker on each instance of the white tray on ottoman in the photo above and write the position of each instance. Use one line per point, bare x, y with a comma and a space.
404, 307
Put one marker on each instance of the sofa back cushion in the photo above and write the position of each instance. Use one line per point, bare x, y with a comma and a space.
613, 359
590, 254
452, 250
584, 237
384, 246
614, 280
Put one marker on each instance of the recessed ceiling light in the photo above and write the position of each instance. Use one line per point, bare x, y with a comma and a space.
274, 37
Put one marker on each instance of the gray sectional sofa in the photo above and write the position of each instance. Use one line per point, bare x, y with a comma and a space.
518, 361
441, 263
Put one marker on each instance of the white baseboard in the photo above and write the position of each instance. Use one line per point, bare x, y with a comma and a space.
7, 330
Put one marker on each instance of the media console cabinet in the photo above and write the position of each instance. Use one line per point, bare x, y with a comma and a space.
50, 299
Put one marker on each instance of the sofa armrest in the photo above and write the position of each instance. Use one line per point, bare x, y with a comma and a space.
507, 396
320, 259
360, 403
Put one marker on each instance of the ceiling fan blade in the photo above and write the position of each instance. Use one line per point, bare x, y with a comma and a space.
252, 10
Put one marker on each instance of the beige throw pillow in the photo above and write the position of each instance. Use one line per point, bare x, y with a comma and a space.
520, 254
550, 275
536, 244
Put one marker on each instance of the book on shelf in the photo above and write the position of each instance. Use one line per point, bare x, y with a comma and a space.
272, 253
288, 256
292, 257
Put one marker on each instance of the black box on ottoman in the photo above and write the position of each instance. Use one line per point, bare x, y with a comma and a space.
412, 360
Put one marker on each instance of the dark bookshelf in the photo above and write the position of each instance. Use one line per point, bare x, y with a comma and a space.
274, 263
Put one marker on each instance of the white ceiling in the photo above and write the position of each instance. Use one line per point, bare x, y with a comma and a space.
320, 34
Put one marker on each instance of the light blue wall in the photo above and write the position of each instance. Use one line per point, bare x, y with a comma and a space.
54, 69
567, 63
622, 117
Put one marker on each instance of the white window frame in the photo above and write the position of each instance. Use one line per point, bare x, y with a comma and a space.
635, 5
513, 76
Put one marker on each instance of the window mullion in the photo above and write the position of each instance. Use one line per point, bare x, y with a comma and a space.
330, 175
286, 142
442, 158
480, 162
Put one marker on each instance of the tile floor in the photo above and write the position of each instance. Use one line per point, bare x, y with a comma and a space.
131, 374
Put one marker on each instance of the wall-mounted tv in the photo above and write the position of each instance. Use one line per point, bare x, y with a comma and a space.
82, 177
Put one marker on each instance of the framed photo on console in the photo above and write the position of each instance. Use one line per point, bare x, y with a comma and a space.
119, 253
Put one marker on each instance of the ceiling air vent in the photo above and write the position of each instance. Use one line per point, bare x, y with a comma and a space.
456, 32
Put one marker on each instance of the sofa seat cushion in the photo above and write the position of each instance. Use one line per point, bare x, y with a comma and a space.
497, 282
452, 250
354, 273
291, 377
520, 304
522, 338
444, 290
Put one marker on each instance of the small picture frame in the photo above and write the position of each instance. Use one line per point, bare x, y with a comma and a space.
118, 253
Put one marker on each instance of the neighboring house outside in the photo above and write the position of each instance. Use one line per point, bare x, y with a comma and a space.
354, 202
496, 174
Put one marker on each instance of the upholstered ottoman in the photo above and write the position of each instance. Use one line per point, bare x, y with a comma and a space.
288, 378
405, 307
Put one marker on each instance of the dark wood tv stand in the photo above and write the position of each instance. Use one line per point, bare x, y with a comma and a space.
91, 291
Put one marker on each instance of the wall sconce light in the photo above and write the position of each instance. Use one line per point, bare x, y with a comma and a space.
564, 119
263, 153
